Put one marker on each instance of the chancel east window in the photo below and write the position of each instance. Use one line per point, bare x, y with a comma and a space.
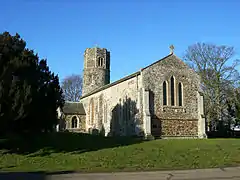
74, 122
180, 94
172, 91
164, 93
176, 93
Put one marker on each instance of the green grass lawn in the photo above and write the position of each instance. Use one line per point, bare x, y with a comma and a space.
78, 152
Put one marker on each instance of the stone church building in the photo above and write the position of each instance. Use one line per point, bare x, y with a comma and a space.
162, 100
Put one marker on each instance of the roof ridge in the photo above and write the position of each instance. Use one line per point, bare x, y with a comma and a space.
112, 84
159, 60
124, 78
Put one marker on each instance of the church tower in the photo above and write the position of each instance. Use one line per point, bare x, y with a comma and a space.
96, 71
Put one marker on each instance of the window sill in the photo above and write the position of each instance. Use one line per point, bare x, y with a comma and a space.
175, 106
177, 109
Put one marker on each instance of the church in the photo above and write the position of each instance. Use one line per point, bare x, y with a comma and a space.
162, 100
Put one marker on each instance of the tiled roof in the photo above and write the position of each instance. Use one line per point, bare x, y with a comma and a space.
122, 79
73, 108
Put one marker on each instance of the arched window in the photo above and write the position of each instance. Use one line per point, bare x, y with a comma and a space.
74, 122
105, 113
180, 94
100, 62
91, 112
172, 91
164, 93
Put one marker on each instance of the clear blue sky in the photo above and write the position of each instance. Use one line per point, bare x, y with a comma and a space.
137, 32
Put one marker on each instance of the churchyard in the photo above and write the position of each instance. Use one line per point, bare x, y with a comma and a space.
91, 153
25, 148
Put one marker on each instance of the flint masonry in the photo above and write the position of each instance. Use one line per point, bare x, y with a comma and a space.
162, 100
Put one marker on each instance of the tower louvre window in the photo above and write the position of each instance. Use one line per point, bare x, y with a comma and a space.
100, 62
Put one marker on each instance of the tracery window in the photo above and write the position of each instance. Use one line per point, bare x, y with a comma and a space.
172, 91
176, 93
180, 95
164, 93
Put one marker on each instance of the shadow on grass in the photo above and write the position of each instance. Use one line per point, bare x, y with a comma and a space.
47, 143
223, 134
31, 175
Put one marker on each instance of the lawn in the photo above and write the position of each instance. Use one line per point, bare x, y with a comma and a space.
86, 153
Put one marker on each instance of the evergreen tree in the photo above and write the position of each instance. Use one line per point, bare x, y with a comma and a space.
29, 92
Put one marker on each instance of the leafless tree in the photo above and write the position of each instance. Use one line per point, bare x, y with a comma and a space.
217, 68
72, 87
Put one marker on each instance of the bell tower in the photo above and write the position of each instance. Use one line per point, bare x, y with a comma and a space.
96, 71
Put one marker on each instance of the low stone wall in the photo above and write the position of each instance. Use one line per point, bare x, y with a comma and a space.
179, 128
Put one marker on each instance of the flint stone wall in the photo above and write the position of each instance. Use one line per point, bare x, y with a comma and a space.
174, 120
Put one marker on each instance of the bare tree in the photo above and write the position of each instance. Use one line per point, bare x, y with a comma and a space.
217, 69
72, 87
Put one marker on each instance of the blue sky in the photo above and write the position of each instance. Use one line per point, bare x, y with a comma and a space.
137, 32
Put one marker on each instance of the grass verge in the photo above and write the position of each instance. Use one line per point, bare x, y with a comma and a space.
85, 153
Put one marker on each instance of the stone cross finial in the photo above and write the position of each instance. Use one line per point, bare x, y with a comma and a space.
171, 49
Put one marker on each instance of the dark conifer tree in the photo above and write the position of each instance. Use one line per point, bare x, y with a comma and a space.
29, 91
